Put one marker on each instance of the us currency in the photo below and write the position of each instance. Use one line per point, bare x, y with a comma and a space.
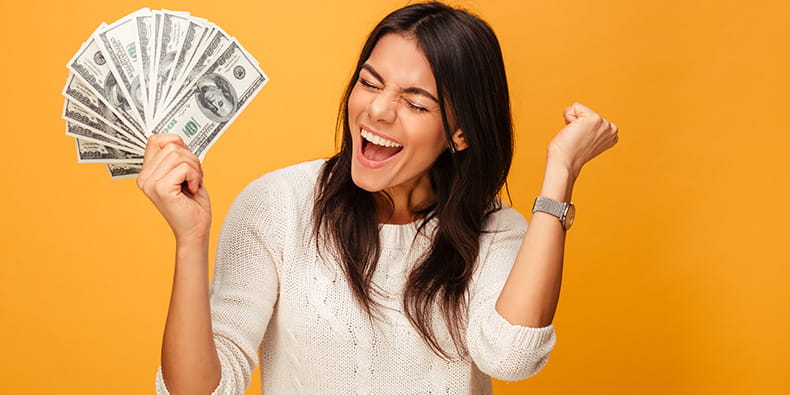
118, 43
214, 46
120, 171
157, 26
90, 65
191, 39
208, 34
91, 152
145, 37
82, 132
155, 72
75, 114
172, 32
216, 98
77, 91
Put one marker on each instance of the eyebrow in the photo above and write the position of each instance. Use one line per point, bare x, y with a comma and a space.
414, 89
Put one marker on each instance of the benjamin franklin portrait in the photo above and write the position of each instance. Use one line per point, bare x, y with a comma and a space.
216, 97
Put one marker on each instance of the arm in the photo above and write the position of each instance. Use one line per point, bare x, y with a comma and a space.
531, 292
244, 288
497, 347
212, 333
189, 356
173, 179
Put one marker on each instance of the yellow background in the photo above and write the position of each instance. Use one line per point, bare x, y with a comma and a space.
676, 270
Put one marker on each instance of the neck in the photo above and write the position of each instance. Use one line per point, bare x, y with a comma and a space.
405, 201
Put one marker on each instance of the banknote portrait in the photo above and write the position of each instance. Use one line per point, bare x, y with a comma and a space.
137, 94
118, 99
216, 97
165, 67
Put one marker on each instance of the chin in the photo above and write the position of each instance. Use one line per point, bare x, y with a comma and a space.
367, 182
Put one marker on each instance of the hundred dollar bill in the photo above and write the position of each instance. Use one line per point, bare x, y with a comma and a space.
90, 65
191, 39
118, 43
156, 25
214, 45
76, 90
120, 171
172, 32
74, 113
176, 85
82, 132
90, 152
145, 37
216, 98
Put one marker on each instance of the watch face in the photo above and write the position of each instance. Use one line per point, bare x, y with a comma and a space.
569, 216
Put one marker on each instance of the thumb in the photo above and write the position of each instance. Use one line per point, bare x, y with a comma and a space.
575, 111
568, 116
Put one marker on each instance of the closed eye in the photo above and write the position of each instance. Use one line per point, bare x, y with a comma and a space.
415, 107
367, 84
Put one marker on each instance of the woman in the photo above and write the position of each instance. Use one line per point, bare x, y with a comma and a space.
392, 266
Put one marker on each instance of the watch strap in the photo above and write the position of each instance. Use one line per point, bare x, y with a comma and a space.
565, 212
550, 206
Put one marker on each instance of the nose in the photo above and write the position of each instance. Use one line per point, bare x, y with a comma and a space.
382, 107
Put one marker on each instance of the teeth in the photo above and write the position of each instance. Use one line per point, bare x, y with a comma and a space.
377, 139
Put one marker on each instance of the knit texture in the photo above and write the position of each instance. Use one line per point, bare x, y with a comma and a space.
277, 302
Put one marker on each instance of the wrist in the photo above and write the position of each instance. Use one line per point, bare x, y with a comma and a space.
558, 181
194, 241
191, 255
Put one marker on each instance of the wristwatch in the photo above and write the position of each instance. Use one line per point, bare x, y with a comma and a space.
564, 211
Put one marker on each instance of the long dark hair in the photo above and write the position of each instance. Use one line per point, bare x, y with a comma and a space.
467, 65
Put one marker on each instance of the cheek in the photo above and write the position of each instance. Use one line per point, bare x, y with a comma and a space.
355, 104
430, 136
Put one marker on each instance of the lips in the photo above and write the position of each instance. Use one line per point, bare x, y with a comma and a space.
377, 149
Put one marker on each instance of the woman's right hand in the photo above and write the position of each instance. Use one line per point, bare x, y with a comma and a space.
173, 179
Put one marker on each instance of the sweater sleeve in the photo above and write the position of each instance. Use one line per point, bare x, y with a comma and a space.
500, 349
245, 283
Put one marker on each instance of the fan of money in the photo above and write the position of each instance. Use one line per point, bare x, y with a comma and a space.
155, 72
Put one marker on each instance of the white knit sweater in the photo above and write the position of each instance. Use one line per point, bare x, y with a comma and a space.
275, 302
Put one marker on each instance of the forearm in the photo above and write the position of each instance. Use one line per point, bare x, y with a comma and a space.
532, 289
189, 357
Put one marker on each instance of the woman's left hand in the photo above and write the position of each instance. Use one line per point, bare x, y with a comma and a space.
585, 136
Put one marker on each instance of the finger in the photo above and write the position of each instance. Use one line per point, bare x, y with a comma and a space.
194, 180
158, 141
580, 108
568, 116
192, 183
166, 138
177, 156
169, 149
175, 183
174, 179
153, 159
172, 161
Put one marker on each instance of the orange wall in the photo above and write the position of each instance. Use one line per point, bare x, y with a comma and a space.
676, 270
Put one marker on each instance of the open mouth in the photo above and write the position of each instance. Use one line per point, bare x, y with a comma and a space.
376, 148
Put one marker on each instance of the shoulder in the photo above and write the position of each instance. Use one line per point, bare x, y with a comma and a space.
505, 218
500, 243
294, 183
286, 190
295, 177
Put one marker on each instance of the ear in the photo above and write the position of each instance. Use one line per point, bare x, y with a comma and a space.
459, 141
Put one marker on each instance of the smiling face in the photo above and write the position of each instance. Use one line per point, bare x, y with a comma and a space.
394, 119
